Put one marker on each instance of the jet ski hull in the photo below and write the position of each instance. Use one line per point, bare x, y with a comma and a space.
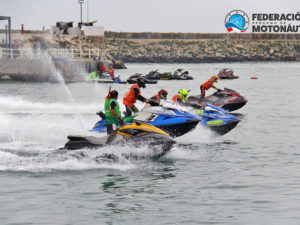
215, 118
226, 99
158, 144
176, 130
222, 129
234, 106
133, 81
228, 77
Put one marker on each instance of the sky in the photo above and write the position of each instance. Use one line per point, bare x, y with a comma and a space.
138, 15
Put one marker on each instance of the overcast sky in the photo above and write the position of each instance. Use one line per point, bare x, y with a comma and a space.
139, 15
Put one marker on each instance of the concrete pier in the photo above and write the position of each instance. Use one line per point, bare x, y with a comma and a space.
39, 66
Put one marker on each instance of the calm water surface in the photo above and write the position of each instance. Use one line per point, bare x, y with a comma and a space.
249, 176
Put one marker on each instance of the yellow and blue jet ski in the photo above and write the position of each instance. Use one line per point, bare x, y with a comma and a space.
135, 135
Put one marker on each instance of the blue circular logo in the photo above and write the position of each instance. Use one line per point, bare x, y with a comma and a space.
236, 21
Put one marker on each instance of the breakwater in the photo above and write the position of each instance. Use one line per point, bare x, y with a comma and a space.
197, 48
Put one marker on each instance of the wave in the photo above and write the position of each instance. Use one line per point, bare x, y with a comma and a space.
59, 160
19, 105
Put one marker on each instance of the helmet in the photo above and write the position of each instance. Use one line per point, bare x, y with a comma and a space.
163, 93
183, 94
215, 78
113, 94
141, 82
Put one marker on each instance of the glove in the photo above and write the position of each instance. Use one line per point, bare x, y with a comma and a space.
121, 121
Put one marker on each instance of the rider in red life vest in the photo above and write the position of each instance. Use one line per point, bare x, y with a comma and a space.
111, 72
102, 69
162, 94
208, 84
132, 95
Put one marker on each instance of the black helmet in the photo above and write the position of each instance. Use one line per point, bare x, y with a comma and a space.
113, 94
141, 82
163, 93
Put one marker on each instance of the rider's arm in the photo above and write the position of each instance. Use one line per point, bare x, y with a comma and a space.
112, 109
216, 88
137, 96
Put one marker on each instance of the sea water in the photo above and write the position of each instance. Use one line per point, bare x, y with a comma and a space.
248, 176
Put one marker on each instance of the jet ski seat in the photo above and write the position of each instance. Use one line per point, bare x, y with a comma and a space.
144, 116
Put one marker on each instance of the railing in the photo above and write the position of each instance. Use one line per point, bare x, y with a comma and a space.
30, 53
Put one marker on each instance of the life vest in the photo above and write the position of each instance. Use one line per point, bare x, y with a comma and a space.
129, 98
93, 76
208, 84
157, 96
111, 73
103, 69
109, 117
175, 98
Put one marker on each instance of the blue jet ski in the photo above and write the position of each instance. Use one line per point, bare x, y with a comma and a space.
215, 118
173, 121
211, 116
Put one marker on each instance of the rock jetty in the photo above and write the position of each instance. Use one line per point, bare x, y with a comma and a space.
201, 50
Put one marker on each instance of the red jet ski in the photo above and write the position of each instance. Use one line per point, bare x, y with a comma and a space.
227, 99
227, 74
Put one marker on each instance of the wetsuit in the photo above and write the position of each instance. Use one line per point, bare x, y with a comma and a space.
207, 85
111, 120
130, 98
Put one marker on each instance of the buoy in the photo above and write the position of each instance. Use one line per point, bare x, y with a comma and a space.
254, 78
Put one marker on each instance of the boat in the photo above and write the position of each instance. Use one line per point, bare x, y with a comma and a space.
135, 135
133, 79
171, 120
227, 99
215, 118
227, 74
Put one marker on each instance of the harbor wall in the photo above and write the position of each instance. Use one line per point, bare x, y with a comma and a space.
225, 36
202, 50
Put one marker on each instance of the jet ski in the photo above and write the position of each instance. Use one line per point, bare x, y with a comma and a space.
227, 74
173, 121
104, 78
135, 135
218, 120
177, 75
133, 79
227, 99
118, 80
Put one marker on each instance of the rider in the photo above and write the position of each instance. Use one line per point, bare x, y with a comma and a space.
162, 94
112, 115
132, 95
208, 84
102, 69
181, 96
111, 72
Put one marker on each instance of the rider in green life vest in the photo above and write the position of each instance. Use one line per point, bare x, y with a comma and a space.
112, 115
93, 76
